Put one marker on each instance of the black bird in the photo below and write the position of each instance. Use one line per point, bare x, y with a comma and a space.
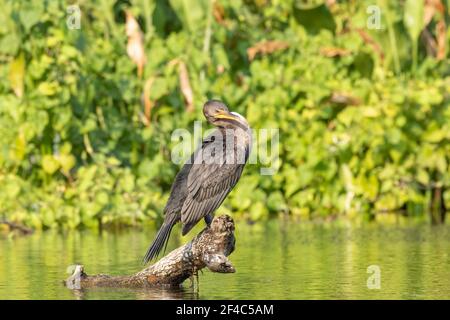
208, 176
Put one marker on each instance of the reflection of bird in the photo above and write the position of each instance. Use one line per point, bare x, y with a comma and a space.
210, 174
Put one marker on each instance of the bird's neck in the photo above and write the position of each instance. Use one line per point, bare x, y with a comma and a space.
235, 127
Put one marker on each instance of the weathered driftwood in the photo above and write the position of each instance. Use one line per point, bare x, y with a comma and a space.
209, 248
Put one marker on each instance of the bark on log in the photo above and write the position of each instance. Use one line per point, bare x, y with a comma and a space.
209, 248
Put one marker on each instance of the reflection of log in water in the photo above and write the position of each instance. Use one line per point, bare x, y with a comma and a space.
150, 293
209, 248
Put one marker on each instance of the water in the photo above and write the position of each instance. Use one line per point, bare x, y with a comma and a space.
276, 260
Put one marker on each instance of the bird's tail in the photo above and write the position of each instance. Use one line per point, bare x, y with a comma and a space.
161, 240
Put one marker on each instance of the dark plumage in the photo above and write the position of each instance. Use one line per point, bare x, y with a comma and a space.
210, 174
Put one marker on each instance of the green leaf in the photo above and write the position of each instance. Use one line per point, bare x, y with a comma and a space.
17, 74
314, 18
423, 177
275, 202
50, 164
127, 183
413, 17
102, 198
29, 18
20, 146
435, 136
12, 190
66, 161
47, 88
258, 211
10, 43
192, 13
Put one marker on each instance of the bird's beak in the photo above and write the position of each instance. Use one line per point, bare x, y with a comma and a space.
226, 116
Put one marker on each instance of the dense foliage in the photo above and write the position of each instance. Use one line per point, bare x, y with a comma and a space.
363, 113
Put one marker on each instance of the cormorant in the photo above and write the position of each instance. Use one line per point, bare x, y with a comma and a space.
208, 176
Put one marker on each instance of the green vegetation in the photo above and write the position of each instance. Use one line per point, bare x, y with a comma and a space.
363, 113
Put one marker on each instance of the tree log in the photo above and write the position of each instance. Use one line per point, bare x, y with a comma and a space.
209, 248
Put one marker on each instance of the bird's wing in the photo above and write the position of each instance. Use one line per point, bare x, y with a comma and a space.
178, 191
208, 183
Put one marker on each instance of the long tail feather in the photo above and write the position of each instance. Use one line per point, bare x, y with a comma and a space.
160, 241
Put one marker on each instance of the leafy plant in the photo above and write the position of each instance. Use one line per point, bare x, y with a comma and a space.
363, 114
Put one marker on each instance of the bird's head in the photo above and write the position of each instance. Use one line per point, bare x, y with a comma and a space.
217, 113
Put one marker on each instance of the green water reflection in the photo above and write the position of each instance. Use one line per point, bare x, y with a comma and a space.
276, 260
